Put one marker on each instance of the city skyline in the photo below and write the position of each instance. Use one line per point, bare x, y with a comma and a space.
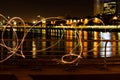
46, 8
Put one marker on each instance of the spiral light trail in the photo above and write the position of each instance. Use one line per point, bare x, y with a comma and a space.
18, 47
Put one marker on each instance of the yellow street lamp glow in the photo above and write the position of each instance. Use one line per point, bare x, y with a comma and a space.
34, 22
115, 18
86, 21
96, 20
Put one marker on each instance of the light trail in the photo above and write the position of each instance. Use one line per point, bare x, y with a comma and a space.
13, 50
19, 46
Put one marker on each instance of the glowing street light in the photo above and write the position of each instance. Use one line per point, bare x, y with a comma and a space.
115, 18
86, 21
96, 20
34, 22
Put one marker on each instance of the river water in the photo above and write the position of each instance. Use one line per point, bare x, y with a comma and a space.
94, 43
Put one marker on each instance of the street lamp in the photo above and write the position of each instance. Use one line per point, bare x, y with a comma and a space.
86, 21
114, 20
93, 21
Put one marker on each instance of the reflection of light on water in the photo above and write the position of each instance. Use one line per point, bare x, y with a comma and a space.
69, 44
119, 43
95, 44
85, 44
106, 36
34, 52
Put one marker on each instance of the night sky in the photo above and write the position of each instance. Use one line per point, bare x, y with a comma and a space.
29, 9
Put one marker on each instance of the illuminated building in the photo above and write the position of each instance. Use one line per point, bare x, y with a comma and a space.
106, 7
118, 7
110, 7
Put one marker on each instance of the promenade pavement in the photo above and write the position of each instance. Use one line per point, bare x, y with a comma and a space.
83, 71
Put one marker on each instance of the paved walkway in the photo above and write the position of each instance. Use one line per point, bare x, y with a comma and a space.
27, 73
41, 70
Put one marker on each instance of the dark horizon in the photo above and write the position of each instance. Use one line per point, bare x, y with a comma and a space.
46, 8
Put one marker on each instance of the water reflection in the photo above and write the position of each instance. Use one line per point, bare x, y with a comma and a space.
34, 50
37, 42
69, 44
106, 36
85, 43
96, 44
118, 43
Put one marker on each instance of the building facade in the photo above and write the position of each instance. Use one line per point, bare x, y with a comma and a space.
110, 7
106, 7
